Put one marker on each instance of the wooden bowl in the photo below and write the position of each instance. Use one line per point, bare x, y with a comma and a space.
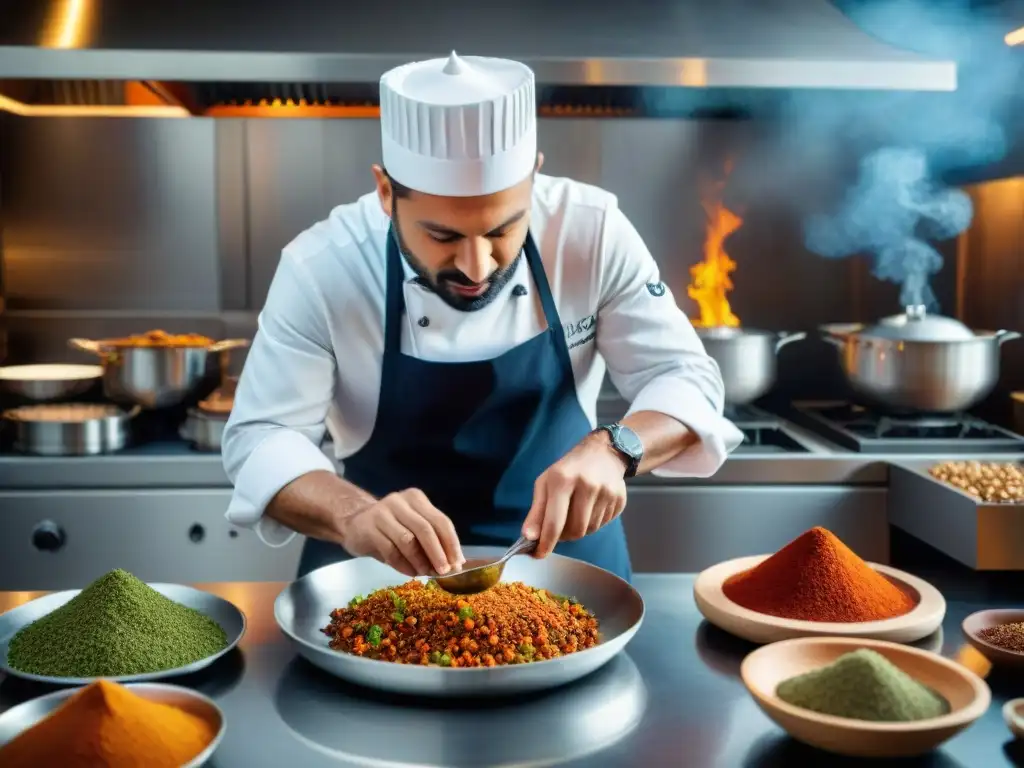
1013, 714
711, 601
763, 669
982, 620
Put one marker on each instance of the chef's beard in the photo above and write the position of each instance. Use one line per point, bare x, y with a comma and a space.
440, 281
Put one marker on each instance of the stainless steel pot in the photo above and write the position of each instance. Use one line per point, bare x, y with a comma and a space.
70, 429
747, 359
154, 377
56, 381
203, 431
915, 362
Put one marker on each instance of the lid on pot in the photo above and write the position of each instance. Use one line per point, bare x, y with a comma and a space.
917, 325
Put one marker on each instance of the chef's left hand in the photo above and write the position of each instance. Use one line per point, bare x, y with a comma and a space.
578, 494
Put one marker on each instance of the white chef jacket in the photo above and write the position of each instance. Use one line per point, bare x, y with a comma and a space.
315, 362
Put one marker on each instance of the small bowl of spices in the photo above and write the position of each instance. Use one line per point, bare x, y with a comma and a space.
864, 698
1013, 714
998, 634
112, 725
816, 586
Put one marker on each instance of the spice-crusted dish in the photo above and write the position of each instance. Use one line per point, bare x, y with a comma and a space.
420, 623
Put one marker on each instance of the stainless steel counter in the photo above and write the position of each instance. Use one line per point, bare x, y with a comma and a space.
673, 699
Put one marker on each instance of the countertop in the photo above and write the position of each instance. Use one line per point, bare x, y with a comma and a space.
673, 698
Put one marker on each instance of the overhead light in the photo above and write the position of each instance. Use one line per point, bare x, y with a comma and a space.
1015, 38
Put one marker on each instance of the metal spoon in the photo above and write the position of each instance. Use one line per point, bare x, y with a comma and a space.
482, 575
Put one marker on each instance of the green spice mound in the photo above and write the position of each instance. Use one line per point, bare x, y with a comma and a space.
116, 626
863, 685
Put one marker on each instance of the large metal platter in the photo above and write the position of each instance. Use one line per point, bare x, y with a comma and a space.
303, 609
225, 613
24, 716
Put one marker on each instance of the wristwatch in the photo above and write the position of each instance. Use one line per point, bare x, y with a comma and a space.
626, 442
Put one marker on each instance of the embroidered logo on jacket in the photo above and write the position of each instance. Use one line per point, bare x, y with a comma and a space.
656, 289
579, 333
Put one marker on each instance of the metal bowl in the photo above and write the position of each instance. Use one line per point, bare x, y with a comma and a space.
746, 358
22, 717
225, 613
52, 381
303, 609
71, 429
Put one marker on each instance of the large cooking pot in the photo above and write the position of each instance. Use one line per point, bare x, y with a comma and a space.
747, 359
919, 362
154, 376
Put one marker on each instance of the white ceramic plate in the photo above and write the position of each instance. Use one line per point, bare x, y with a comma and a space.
763, 669
920, 622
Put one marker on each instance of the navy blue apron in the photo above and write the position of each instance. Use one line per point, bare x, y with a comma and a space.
475, 436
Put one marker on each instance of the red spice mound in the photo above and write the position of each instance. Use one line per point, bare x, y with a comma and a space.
818, 578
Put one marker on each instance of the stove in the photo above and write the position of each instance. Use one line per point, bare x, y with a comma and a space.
860, 429
763, 433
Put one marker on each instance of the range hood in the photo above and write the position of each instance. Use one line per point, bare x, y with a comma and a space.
300, 46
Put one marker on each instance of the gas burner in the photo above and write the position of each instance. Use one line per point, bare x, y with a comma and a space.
860, 429
762, 431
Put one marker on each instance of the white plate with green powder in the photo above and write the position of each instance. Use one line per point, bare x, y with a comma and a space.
864, 698
118, 628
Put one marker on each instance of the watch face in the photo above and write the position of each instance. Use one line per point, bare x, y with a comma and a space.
631, 443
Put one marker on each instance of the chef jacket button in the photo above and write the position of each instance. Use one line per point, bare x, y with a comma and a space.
423, 322
519, 290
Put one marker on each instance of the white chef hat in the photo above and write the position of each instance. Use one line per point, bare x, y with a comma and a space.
459, 127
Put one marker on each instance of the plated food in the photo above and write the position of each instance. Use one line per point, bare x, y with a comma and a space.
995, 482
817, 586
303, 610
106, 725
864, 698
118, 628
420, 623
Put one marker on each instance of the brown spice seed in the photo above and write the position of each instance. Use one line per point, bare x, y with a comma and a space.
1009, 637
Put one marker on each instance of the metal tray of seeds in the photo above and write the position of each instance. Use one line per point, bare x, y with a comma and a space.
222, 611
304, 608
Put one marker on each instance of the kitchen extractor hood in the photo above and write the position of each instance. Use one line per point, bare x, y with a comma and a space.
305, 45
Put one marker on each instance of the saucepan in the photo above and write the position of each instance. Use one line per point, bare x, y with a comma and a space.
51, 381
156, 376
919, 362
747, 359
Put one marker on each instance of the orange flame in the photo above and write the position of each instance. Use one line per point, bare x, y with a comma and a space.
709, 279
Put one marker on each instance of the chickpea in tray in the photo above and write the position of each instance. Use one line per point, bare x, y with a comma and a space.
995, 482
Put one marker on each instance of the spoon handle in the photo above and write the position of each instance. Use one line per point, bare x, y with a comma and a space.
522, 545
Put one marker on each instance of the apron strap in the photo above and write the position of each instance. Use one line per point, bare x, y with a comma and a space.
394, 305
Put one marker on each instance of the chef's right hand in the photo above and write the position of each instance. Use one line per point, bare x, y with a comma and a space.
407, 532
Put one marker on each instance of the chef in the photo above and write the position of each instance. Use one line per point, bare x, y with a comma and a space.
451, 331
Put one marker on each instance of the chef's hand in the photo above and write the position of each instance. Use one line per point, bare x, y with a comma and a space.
578, 494
405, 531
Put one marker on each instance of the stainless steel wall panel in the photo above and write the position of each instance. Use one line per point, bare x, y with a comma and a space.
232, 173
675, 530
103, 213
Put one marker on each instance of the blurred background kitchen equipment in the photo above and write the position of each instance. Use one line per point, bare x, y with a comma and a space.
747, 359
70, 429
919, 362
53, 381
158, 376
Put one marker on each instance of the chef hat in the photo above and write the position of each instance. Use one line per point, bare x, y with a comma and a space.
459, 127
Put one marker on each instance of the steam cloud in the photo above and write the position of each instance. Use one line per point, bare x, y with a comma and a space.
893, 205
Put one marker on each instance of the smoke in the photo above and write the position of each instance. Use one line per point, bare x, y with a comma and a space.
888, 212
906, 140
